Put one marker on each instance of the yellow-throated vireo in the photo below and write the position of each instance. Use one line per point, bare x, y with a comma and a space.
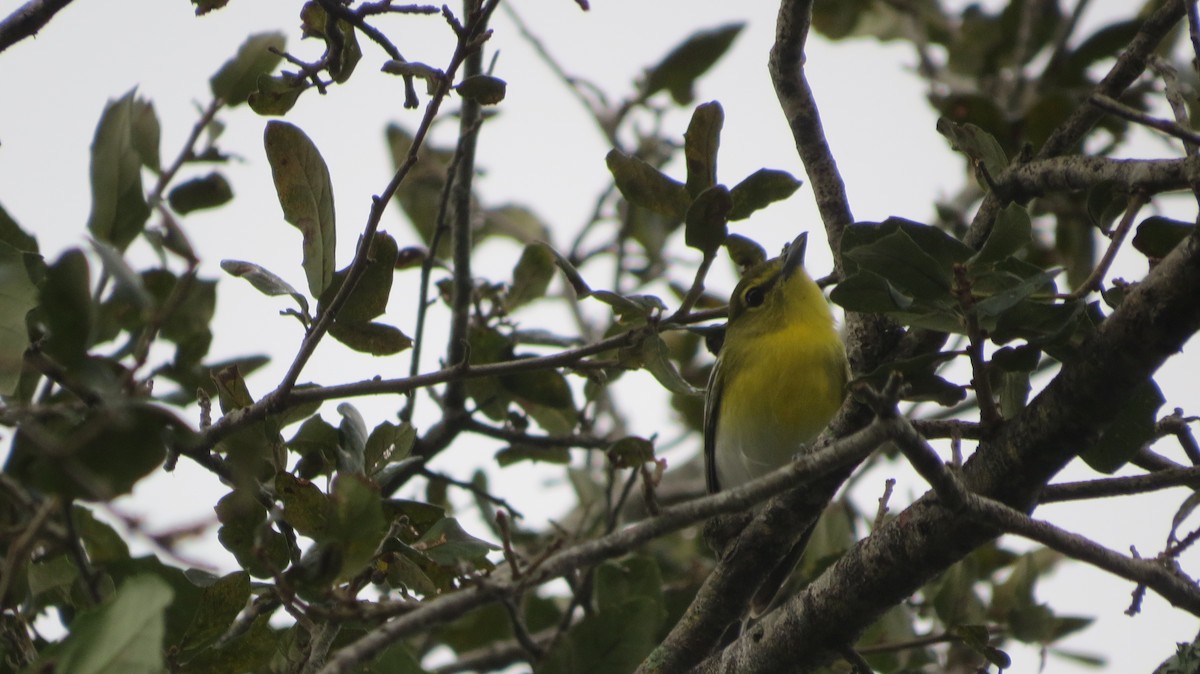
780, 377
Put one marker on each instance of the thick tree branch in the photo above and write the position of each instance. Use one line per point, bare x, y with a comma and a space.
1066, 174
27, 20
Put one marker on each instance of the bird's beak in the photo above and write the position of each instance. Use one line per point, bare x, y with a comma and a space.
793, 257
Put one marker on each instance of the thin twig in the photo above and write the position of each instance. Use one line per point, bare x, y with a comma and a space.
1121, 486
989, 413
1137, 200
186, 152
882, 511
1123, 111
473, 488
379, 204
1174, 96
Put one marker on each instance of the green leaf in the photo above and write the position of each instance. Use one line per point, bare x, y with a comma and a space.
316, 443
657, 358
250, 651
122, 636
403, 572
531, 276
934, 242
978, 145
306, 196
897, 258
145, 133
515, 222
1132, 427
1011, 232
1105, 203
631, 308
69, 312
119, 208
18, 296
632, 579
55, 574
999, 302
679, 69
707, 219
1038, 322
305, 506
370, 296
447, 544
421, 516
12, 234
483, 89
208, 191
388, 443
341, 41
102, 543
232, 392
94, 470
352, 440
744, 252
238, 77
921, 381
645, 186
360, 526
580, 286
868, 292
761, 189
129, 286
700, 145
276, 94
1009, 371
374, 338
264, 281
219, 604
543, 386
244, 531
605, 642
630, 451
1157, 236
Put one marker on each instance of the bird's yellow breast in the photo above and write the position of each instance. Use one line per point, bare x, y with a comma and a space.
781, 387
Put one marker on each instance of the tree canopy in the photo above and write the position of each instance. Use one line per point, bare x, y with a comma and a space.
367, 516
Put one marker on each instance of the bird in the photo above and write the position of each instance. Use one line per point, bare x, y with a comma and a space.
780, 377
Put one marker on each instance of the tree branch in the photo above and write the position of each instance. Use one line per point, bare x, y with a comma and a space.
1129, 66
838, 456
27, 20
1066, 174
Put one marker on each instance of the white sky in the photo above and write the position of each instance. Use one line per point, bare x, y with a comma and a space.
541, 151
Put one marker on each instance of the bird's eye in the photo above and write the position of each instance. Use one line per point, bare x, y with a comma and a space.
754, 296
